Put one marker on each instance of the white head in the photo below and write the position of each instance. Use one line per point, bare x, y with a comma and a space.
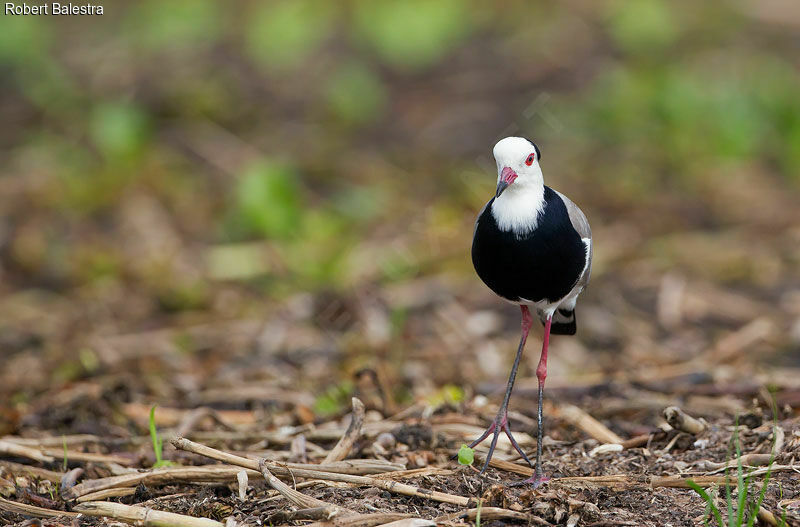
520, 185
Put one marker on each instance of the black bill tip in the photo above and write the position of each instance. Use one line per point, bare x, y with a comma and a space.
501, 186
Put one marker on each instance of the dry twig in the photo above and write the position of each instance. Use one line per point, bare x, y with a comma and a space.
31, 510
345, 444
764, 515
43, 442
191, 420
637, 441
142, 516
410, 522
281, 468
353, 466
733, 344
298, 498
587, 423
102, 495
89, 457
494, 513
362, 520
156, 477
41, 473
15, 449
747, 460
680, 420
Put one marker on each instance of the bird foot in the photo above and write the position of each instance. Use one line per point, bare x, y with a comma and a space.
536, 481
499, 423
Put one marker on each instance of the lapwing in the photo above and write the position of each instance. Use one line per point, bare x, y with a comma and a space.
533, 247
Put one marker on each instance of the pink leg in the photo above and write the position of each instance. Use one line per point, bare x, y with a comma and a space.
541, 373
501, 420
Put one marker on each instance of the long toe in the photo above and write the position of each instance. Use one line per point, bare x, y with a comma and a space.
516, 445
535, 481
494, 430
490, 453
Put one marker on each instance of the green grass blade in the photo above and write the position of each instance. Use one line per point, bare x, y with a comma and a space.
733, 449
782, 523
741, 505
710, 502
157, 446
761, 494
763, 490
706, 515
741, 483
728, 498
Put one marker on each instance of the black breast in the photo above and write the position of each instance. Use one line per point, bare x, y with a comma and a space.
543, 264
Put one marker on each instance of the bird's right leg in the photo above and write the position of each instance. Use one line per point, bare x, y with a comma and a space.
501, 420
541, 373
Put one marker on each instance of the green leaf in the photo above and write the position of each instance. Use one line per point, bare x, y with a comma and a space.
466, 456
267, 201
119, 129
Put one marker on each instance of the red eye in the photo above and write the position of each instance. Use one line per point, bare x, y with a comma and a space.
529, 161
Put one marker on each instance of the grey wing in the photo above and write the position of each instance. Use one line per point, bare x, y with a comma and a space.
580, 224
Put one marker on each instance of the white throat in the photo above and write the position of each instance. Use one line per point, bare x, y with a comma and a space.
517, 209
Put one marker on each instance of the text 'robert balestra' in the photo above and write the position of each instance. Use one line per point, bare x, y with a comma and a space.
52, 9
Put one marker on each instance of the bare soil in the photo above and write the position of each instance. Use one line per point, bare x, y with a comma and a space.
279, 388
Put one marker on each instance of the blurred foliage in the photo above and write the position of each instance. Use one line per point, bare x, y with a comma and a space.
643, 27
291, 145
355, 94
179, 24
119, 130
334, 400
281, 34
267, 202
412, 34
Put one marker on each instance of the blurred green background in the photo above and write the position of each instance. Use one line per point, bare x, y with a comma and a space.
177, 162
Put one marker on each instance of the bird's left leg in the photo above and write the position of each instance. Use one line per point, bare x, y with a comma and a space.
501, 420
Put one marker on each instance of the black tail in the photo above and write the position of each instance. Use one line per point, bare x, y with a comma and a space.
563, 322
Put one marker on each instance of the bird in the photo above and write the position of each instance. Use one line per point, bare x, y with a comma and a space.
532, 246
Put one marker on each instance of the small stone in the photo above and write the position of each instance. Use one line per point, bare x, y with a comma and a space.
373, 416
480, 401
605, 448
386, 440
